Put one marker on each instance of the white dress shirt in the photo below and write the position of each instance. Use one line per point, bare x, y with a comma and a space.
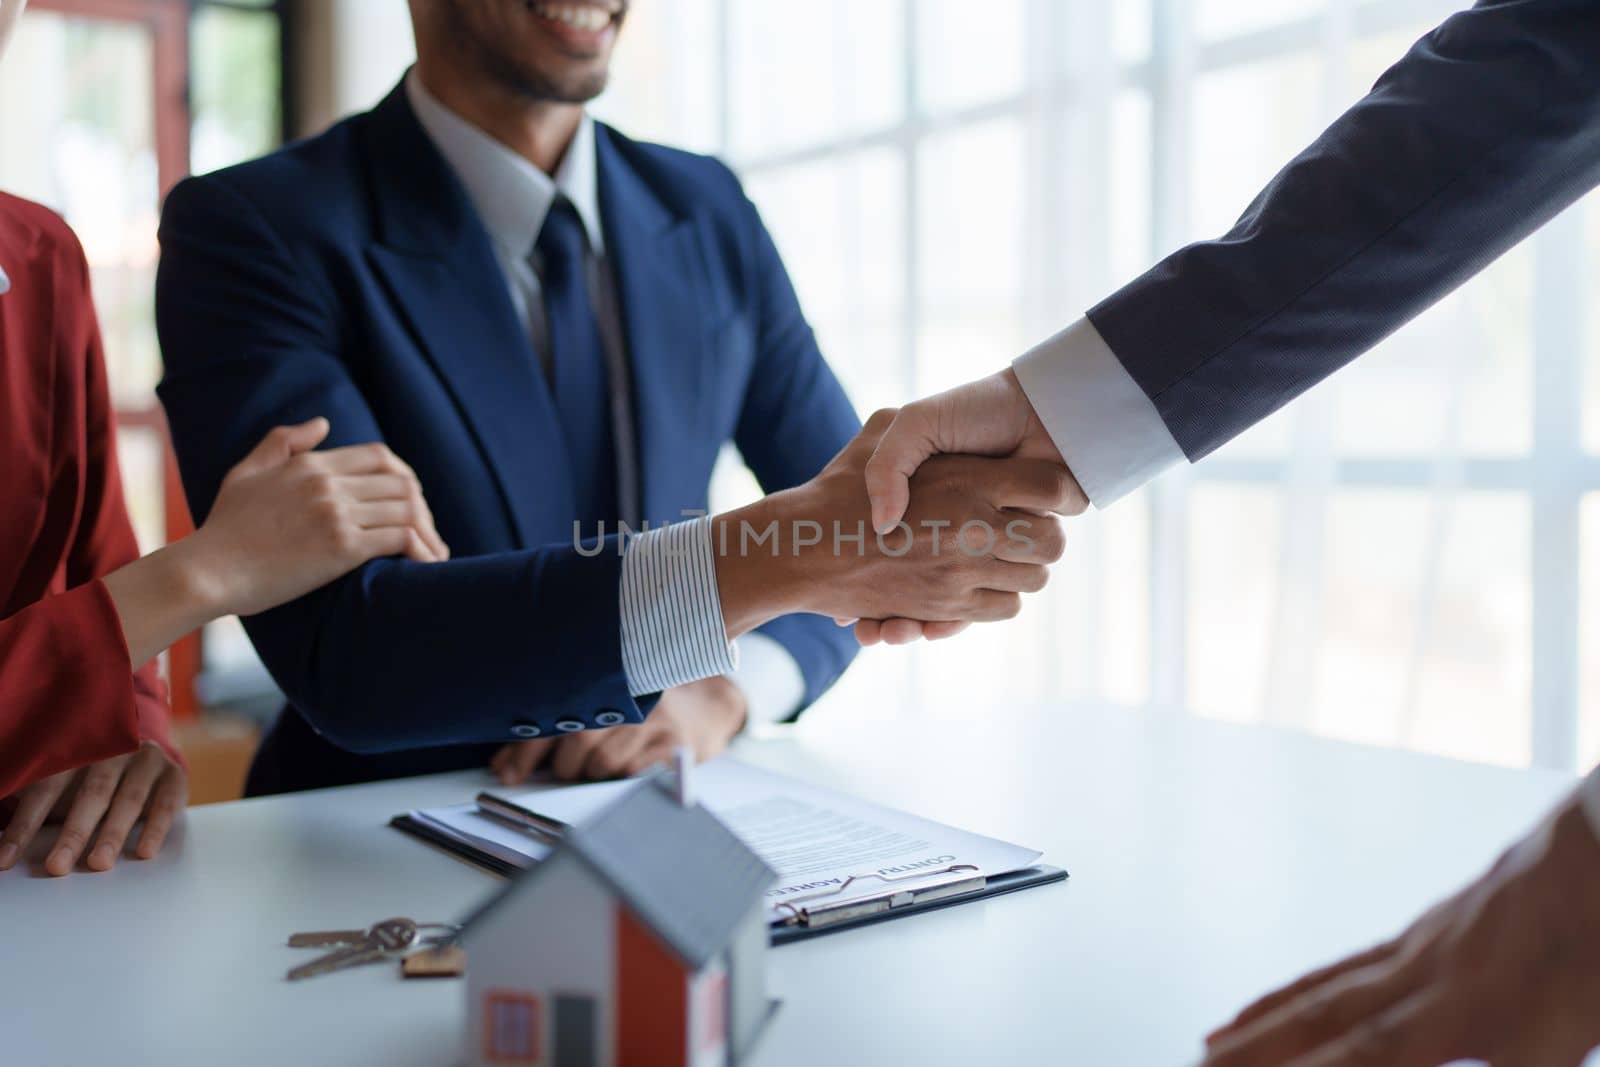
672, 627
5, 283
1109, 433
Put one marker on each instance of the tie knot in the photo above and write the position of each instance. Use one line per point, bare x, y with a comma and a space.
562, 239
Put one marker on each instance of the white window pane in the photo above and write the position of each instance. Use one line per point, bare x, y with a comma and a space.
1129, 189
1227, 18
1589, 635
1122, 626
840, 225
1457, 380
1248, 121
1424, 637
235, 87
968, 54
1392, 617
141, 459
1130, 30
663, 83
1590, 209
85, 146
1235, 538
970, 252
799, 74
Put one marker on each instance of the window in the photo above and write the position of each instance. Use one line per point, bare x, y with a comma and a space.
107, 132
1405, 557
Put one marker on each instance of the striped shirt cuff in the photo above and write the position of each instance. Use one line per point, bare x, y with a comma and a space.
672, 628
1589, 796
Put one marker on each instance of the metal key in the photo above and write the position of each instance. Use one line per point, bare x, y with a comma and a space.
392, 937
323, 938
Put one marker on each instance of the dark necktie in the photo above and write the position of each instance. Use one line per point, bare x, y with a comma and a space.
577, 366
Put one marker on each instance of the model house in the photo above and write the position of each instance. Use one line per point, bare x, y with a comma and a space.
640, 942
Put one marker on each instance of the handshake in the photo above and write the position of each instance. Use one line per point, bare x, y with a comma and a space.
900, 539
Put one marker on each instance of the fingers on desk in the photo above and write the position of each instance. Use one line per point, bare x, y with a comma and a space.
125, 809
32, 807
515, 762
97, 785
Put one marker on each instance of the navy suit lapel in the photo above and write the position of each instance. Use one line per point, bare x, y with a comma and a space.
440, 268
660, 273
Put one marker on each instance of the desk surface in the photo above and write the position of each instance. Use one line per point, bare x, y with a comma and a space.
1209, 862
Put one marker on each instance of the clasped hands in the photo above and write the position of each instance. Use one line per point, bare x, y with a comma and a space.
936, 516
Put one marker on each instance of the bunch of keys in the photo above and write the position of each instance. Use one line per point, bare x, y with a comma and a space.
386, 940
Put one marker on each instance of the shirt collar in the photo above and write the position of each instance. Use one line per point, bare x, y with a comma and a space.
511, 195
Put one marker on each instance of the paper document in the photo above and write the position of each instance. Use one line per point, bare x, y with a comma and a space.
814, 838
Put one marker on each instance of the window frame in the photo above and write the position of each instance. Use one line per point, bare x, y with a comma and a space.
1062, 89
168, 24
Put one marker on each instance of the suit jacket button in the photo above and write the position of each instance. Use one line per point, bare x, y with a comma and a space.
610, 717
525, 730
568, 726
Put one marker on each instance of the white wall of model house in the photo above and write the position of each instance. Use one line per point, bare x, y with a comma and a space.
556, 935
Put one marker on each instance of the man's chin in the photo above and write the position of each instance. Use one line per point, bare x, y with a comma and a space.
575, 90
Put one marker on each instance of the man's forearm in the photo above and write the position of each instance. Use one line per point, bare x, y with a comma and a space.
760, 585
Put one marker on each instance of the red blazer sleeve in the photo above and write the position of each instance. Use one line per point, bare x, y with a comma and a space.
105, 538
67, 695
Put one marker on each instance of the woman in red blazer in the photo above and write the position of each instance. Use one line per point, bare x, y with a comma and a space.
83, 715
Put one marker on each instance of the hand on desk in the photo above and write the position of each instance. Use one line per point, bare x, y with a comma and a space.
704, 715
1506, 971
98, 805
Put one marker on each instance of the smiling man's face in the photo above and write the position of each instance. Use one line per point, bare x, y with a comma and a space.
10, 11
548, 50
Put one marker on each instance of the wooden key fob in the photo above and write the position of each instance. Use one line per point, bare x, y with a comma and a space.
448, 961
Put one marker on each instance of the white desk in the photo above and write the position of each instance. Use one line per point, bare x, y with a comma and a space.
1208, 861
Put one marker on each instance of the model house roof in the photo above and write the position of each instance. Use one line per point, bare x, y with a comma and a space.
677, 867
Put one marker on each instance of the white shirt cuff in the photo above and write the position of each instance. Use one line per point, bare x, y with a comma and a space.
672, 628
770, 679
1109, 433
1589, 797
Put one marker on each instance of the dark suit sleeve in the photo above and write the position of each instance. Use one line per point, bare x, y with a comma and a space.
795, 419
396, 654
1487, 128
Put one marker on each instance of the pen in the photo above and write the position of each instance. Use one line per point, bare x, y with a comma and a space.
552, 830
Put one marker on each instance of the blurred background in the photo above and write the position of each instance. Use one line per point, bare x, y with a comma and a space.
1410, 556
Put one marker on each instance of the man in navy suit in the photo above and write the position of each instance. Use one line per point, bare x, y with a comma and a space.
552, 324
1487, 128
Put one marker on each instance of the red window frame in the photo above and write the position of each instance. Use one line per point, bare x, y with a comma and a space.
497, 1004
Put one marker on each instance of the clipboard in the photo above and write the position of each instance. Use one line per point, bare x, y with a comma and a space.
883, 907
892, 902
